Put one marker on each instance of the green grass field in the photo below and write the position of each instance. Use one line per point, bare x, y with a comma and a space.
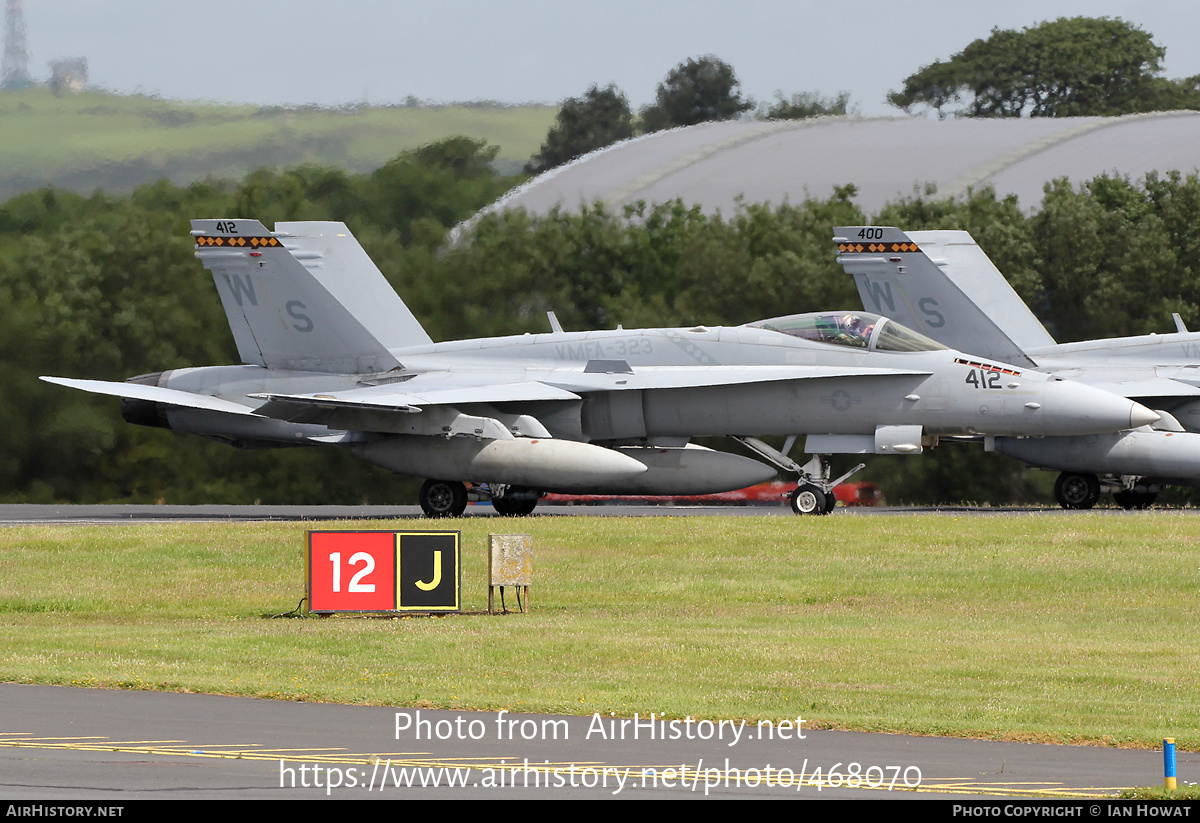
96, 140
1054, 628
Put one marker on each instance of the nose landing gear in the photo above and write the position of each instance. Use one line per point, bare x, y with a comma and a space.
814, 493
810, 499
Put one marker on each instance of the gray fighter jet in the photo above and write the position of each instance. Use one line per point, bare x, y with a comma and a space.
333, 356
942, 284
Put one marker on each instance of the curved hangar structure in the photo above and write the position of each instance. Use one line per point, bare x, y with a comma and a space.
887, 158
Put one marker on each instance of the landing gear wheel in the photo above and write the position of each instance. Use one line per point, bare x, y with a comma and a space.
830, 502
514, 507
443, 498
1076, 491
808, 500
1135, 500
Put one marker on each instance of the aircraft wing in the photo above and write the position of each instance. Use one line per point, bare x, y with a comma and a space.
423, 404
428, 403
457, 388
691, 377
1151, 388
389, 398
435, 395
1134, 383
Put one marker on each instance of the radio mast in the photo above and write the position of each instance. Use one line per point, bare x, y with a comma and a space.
14, 70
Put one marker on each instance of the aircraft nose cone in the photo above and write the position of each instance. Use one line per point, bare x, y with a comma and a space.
1142, 416
1075, 408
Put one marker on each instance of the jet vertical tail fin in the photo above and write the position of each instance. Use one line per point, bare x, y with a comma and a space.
941, 284
281, 315
338, 261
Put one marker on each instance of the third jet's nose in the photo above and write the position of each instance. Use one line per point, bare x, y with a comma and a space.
1074, 408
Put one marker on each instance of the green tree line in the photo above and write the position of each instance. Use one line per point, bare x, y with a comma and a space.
1070, 67
698, 90
107, 287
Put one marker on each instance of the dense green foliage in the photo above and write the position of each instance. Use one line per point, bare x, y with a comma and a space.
598, 119
1063, 68
106, 287
698, 90
803, 105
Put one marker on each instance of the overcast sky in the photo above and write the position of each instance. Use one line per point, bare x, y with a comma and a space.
334, 52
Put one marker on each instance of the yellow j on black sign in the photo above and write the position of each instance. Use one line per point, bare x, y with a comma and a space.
427, 571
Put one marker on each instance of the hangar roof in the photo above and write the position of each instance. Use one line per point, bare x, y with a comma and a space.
885, 157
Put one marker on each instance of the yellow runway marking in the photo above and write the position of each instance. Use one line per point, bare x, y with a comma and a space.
683, 775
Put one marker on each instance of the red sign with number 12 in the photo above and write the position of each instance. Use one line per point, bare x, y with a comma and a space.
352, 571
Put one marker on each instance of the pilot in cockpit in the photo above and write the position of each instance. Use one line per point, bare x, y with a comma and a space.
854, 332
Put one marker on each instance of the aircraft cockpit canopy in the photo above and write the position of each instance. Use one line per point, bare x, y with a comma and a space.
861, 330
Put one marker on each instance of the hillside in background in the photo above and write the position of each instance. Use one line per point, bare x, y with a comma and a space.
96, 140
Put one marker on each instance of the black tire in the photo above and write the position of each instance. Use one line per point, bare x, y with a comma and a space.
830, 502
1135, 500
443, 498
1076, 491
514, 507
808, 499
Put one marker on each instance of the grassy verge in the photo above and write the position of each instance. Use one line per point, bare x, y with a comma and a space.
1159, 793
1057, 628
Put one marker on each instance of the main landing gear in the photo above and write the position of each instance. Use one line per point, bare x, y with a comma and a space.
1135, 499
514, 502
448, 498
443, 498
1076, 491
1079, 490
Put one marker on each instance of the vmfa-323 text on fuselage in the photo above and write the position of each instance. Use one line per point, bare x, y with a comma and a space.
333, 356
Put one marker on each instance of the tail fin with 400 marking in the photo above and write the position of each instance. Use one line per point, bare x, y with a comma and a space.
943, 285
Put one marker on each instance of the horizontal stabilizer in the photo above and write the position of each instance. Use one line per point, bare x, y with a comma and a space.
138, 391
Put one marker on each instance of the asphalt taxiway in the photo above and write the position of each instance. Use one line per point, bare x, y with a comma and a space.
62, 743
135, 513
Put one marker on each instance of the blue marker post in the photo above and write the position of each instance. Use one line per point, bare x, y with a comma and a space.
1169, 763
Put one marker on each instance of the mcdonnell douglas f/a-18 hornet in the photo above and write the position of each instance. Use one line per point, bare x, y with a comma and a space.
942, 283
331, 355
